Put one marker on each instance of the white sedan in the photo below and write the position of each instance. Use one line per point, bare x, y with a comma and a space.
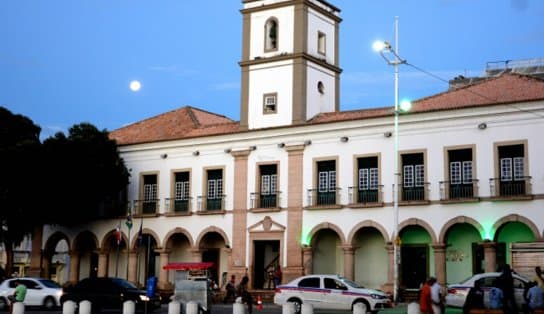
329, 292
39, 292
457, 293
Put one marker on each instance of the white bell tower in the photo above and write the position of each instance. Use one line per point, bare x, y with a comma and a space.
289, 63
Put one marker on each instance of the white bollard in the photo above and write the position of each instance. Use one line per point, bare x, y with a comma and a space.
413, 308
18, 308
191, 307
307, 309
129, 307
288, 308
359, 308
174, 307
238, 308
69, 307
85, 307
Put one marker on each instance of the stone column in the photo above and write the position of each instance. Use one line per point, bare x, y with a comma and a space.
132, 266
294, 213
307, 253
239, 211
102, 264
46, 265
36, 253
196, 255
388, 286
490, 257
73, 276
440, 262
349, 265
163, 273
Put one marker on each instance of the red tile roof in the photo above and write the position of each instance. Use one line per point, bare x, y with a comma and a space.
189, 122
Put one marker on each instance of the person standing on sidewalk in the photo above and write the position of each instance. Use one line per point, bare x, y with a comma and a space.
425, 301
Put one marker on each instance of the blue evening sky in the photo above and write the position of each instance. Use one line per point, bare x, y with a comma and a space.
64, 62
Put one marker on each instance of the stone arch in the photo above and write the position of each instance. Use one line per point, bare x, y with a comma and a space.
178, 230
517, 218
53, 239
80, 238
328, 225
371, 224
209, 230
418, 222
459, 220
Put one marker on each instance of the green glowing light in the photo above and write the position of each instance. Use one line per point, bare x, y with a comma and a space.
487, 233
305, 238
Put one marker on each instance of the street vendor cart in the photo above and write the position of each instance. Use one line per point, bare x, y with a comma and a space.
192, 283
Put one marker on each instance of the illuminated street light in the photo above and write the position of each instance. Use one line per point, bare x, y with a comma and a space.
385, 50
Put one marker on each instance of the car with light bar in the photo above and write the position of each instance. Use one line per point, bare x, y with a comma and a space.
330, 292
457, 293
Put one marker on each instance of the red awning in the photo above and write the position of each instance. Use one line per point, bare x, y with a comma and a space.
188, 266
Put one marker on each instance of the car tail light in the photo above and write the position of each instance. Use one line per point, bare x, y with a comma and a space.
452, 291
278, 290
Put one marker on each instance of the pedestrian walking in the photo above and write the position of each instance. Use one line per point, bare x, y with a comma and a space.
425, 301
243, 292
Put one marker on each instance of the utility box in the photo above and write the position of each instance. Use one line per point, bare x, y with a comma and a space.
192, 283
526, 256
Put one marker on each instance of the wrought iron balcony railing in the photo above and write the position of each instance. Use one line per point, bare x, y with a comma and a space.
414, 193
323, 198
260, 200
358, 195
178, 206
143, 207
458, 191
510, 188
211, 203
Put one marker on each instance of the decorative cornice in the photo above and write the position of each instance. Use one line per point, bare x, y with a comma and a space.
291, 56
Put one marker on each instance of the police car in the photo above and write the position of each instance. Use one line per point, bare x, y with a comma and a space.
331, 292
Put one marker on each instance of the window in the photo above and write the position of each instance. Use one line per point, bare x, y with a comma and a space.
214, 196
367, 180
321, 41
270, 103
326, 182
271, 35
181, 191
268, 186
413, 174
460, 174
331, 283
512, 180
312, 282
149, 204
320, 87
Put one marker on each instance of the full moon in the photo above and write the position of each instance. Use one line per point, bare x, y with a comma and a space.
135, 86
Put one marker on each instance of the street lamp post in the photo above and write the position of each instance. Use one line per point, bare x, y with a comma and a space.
384, 47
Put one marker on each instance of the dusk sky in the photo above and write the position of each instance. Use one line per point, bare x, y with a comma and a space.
64, 62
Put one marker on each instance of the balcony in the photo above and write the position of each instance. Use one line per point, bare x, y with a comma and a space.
329, 198
178, 206
211, 204
458, 191
265, 201
365, 197
414, 194
146, 207
518, 188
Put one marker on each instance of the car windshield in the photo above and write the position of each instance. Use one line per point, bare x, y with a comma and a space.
50, 283
123, 283
352, 284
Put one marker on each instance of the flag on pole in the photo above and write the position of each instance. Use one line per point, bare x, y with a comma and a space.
118, 233
140, 233
129, 219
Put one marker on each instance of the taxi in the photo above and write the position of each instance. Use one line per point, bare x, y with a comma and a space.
331, 292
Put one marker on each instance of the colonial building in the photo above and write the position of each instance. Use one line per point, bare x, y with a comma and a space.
299, 183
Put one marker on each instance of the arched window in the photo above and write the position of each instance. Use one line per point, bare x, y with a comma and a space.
271, 34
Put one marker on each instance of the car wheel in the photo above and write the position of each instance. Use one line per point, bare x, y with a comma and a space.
3, 304
49, 303
298, 305
364, 306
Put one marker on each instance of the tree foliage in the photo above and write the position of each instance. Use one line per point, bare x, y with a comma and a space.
66, 180
85, 176
19, 160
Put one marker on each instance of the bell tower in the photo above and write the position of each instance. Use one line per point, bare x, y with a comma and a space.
289, 63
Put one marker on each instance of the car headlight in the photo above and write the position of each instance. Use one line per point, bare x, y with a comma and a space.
144, 297
377, 296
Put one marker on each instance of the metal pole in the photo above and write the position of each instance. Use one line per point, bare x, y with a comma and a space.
128, 250
117, 259
396, 170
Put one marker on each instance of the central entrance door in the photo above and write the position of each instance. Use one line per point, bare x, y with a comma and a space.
265, 258
414, 265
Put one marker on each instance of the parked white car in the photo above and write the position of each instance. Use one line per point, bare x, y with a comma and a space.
457, 293
329, 292
39, 292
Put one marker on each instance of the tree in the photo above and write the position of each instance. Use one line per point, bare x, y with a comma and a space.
84, 175
19, 160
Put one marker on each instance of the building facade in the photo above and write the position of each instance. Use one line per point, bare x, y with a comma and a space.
300, 184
